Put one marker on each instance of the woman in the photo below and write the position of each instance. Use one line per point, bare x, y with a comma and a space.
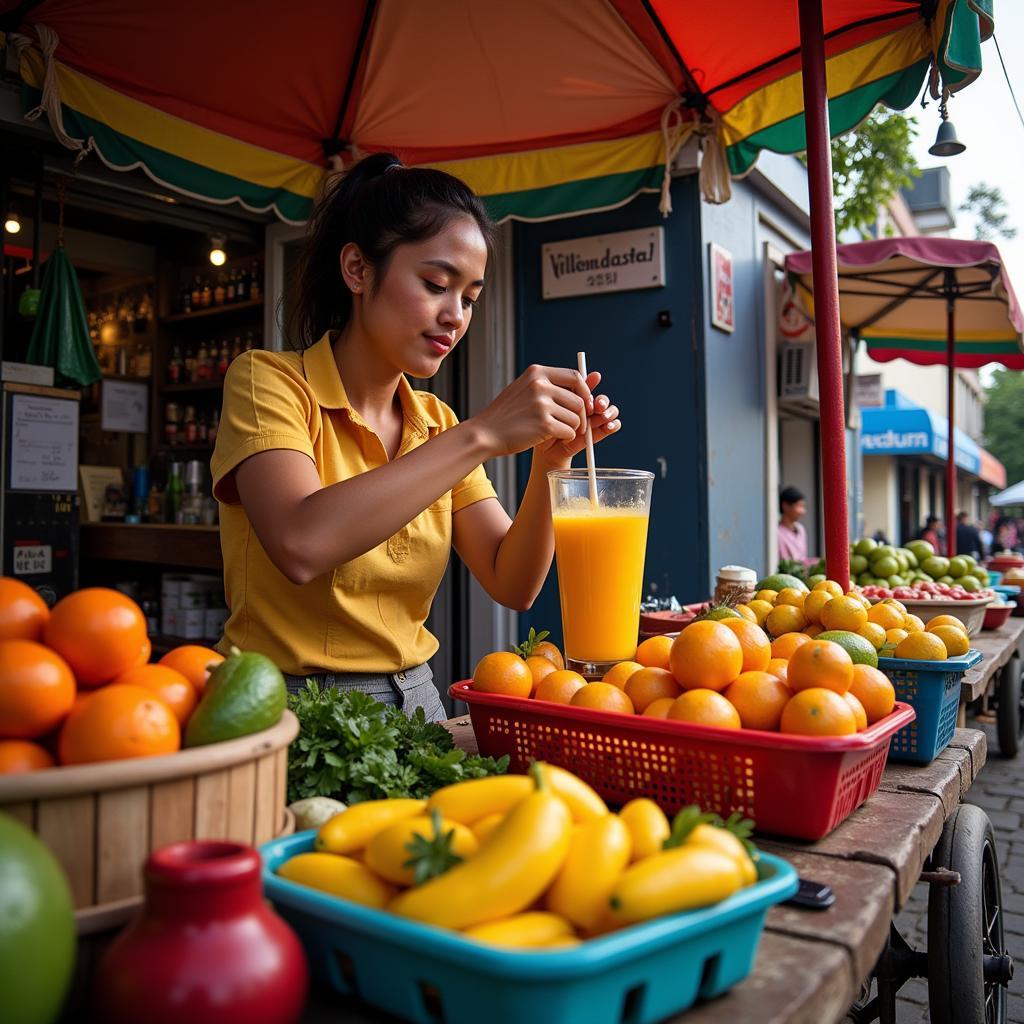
342, 489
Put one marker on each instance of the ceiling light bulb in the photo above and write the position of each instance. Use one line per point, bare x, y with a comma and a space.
11, 224
218, 256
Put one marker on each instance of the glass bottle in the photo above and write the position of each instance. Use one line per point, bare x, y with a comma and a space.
197, 293
185, 301
191, 431
229, 295
223, 360
211, 432
236, 348
241, 286
202, 362
256, 281
219, 290
175, 489
206, 295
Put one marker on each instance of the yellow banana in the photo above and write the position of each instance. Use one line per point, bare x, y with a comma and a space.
522, 931
582, 801
358, 824
484, 828
709, 837
388, 851
648, 826
339, 876
682, 878
468, 802
598, 854
506, 875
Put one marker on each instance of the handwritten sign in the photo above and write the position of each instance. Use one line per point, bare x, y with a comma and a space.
124, 406
618, 262
43, 443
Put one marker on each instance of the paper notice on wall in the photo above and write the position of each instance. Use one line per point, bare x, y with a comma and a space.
44, 443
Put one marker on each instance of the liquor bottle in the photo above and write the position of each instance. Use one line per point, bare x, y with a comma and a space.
222, 360
241, 286
175, 489
189, 372
172, 415
202, 362
256, 281
236, 348
202, 429
232, 281
206, 295
219, 290
191, 430
185, 301
143, 360
197, 293
211, 432
175, 367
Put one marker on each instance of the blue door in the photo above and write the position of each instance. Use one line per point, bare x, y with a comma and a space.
648, 344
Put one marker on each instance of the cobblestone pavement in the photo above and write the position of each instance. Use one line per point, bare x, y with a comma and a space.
1000, 791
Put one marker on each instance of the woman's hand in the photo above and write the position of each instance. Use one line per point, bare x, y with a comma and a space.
556, 453
546, 405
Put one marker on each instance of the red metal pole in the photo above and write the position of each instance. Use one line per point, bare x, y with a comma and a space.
951, 454
826, 293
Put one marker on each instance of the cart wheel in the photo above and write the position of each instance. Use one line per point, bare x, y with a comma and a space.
968, 968
1010, 713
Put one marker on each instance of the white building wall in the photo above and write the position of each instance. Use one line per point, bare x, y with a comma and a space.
881, 510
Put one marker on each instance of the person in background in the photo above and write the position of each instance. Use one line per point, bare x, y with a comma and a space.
932, 532
968, 540
1006, 536
792, 535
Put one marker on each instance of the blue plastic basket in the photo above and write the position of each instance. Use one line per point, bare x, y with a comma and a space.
1009, 592
426, 974
932, 688
994, 577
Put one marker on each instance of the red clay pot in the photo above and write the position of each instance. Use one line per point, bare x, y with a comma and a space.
206, 949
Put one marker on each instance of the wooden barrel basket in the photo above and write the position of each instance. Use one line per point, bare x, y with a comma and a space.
102, 820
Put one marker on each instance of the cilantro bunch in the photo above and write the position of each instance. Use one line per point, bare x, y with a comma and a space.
353, 748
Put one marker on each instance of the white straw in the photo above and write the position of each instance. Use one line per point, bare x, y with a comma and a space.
581, 365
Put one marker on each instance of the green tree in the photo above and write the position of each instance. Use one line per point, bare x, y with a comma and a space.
870, 165
1004, 421
988, 205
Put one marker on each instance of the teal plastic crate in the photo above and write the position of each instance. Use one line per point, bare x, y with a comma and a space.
932, 689
425, 974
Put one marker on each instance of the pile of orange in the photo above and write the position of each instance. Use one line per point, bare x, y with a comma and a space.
76, 684
725, 673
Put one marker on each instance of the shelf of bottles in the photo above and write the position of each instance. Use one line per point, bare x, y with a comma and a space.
234, 287
120, 327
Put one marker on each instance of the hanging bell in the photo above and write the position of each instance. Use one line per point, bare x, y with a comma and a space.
946, 143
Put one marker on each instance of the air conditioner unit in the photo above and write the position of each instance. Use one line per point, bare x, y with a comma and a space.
798, 377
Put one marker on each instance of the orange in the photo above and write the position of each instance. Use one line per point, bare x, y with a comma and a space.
23, 613
651, 684
785, 618
815, 601
944, 620
759, 697
898, 605
912, 624
818, 712
954, 638
560, 686
546, 649
747, 613
844, 613
145, 652
888, 616
654, 652
761, 610
22, 756
539, 668
829, 587
922, 647
770, 596
704, 707
858, 596
503, 672
706, 654
194, 662
820, 663
602, 697
658, 708
874, 691
37, 689
779, 667
757, 648
874, 634
618, 675
167, 684
895, 636
791, 596
784, 646
859, 714
812, 631
119, 722
99, 632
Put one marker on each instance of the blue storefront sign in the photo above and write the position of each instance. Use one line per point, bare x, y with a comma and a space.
914, 431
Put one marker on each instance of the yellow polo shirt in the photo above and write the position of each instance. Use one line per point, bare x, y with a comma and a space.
367, 615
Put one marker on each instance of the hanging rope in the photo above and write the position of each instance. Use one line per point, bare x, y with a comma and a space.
715, 180
50, 104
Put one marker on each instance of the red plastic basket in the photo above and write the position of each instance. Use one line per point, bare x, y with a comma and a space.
798, 786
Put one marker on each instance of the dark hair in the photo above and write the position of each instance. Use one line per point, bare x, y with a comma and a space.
789, 496
378, 204
931, 521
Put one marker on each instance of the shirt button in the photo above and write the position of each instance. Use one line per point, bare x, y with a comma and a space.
400, 676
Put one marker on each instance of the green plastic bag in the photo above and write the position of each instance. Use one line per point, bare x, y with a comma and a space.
60, 337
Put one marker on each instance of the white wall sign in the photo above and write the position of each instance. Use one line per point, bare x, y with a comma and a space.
125, 406
868, 391
603, 263
44, 443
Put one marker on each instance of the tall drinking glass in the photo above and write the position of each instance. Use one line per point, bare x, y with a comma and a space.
600, 555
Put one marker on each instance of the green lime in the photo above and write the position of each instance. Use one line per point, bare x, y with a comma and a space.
860, 649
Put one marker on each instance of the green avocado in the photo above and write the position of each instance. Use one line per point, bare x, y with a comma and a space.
245, 694
780, 581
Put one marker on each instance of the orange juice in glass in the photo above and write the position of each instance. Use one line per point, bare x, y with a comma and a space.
600, 555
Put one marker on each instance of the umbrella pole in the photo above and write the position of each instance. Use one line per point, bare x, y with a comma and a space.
826, 293
950, 423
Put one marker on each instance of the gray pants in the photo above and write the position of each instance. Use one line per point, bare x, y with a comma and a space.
408, 690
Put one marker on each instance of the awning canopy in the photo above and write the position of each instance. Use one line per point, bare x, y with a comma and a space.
893, 292
546, 108
889, 430
1011, 496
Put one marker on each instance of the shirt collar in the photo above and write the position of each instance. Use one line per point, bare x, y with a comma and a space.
321, 371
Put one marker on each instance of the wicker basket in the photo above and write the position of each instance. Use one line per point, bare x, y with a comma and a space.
102, 820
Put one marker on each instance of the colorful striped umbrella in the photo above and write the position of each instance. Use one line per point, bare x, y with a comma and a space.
546, 108
931, 301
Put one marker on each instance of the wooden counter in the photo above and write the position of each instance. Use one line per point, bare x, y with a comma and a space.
186, 547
